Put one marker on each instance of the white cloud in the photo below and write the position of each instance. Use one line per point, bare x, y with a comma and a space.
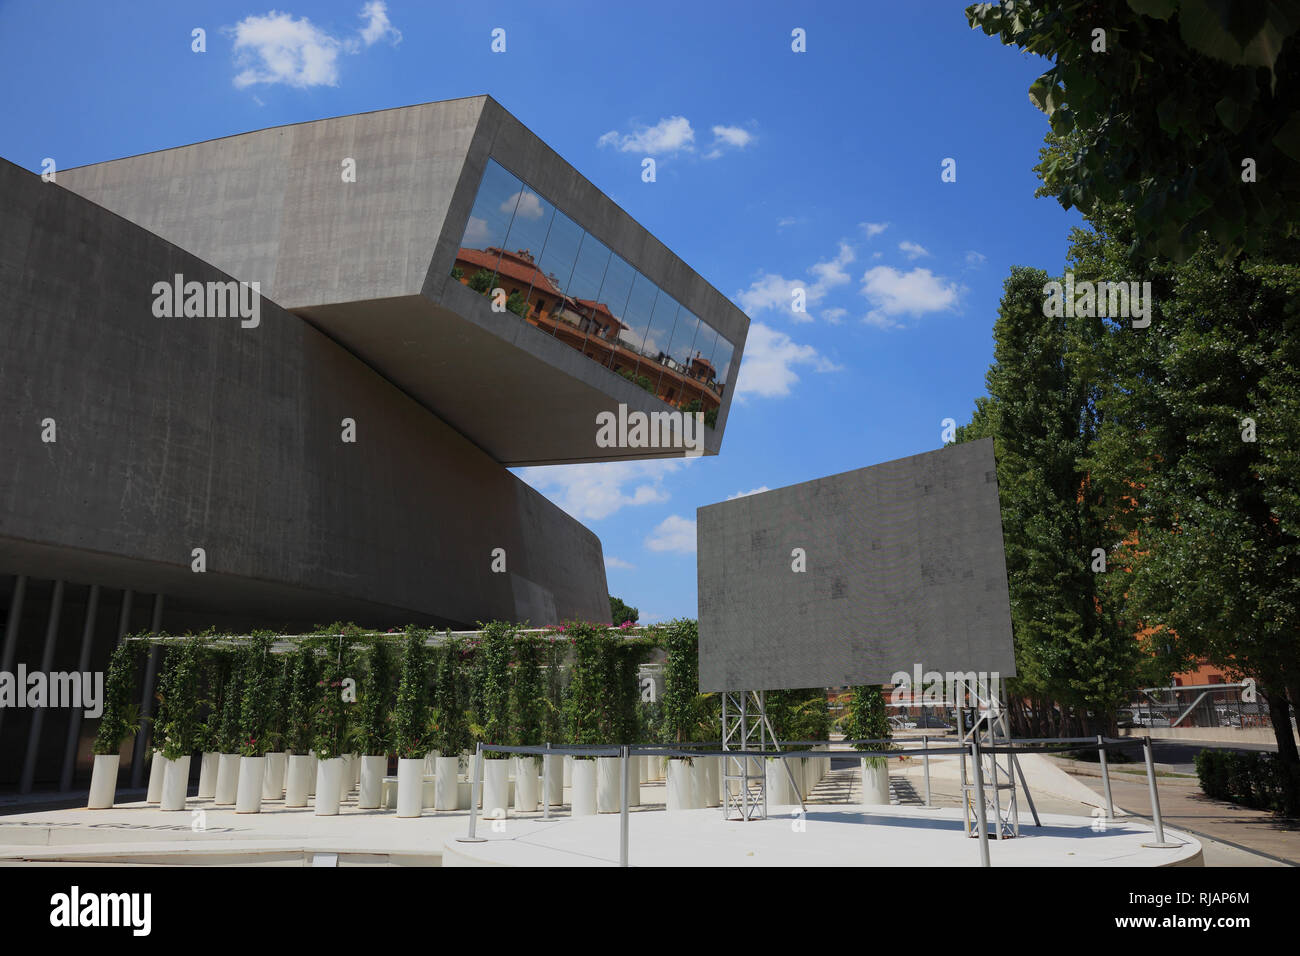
916, 292
276, 48
834, 316
745, 494
597, 490
669, 135
913, 250
768, 368
523, 203
674, 533
476, 231
975, 259
619, 563
377, 27
775, 292
786, 221
728, 137
873, 229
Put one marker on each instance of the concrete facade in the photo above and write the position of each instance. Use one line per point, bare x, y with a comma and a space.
181, 433
369, 261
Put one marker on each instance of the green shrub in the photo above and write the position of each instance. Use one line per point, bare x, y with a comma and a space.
120, 718
373, 717
1254, 779
181, 731
258, 696
411, 716
300, 701
232, 698
481, 281
496, 644
447, 721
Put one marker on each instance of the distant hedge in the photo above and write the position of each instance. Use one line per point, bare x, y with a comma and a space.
1252, 779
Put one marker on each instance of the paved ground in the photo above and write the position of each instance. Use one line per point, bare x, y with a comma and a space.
1183, 805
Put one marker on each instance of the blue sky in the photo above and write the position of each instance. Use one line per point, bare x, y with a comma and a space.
775, 169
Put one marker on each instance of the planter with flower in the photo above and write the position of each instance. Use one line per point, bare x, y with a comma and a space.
260, 672
118, 723
181, 729
374, 722
449, 730
411, 725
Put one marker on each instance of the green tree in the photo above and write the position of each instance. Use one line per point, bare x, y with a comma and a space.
1161, 122
373, 723
119, 719
1201, 439
622, 613
481, 281
1075, 659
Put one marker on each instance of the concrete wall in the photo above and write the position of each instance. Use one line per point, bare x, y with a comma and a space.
271, 206
177, 433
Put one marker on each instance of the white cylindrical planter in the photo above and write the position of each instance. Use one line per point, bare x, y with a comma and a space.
345, 776
311, 783
208, 774
568, 770
410, 787
712, 782
103, 781
356, 771
273, 780
699, 782
157, 774
680, 788
556, 779
227, 779
373, 768
297, 784
329, 775
496, 788
875, 781
642, 768
527, 786
252, 774
446, 783
634, 765
583, 792
607, 798
176, 784
778, 784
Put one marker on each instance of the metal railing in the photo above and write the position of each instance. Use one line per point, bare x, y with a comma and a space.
975, 750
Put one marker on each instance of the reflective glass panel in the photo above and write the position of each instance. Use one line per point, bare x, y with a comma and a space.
555, 268
614, 293
488, 226
517, 270
660, 334
676, 385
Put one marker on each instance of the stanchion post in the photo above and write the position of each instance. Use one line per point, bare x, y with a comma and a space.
981, 814
925, 752
1105, 777
473, 799
622, 806
1160, 842
546, 783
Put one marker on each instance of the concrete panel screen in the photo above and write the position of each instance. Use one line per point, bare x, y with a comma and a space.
902, 565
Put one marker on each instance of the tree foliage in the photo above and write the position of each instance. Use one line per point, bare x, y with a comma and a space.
1161, 121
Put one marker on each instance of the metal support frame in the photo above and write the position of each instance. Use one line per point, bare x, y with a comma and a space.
982, 798
744, 789
1159, 843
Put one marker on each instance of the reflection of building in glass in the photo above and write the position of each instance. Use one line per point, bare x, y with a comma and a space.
564, 281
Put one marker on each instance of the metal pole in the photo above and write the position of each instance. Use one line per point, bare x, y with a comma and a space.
1105, 777
622, 807
473, 799
980, 812
1160, 842
546, 783
83, 668
11, 630
38, 715
925, 756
